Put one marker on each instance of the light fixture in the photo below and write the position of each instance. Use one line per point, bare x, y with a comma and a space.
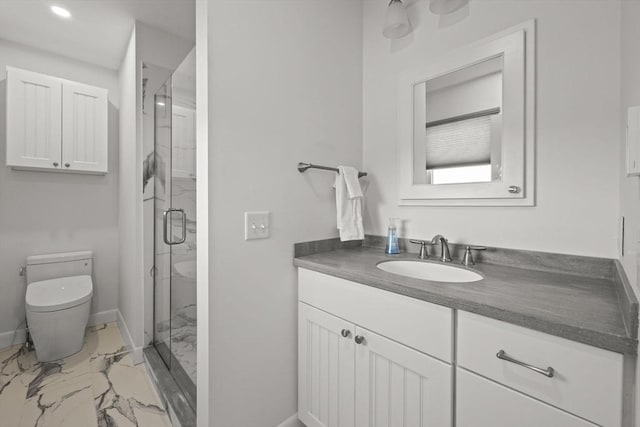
445, 7
160, 103
61, 12
396, 22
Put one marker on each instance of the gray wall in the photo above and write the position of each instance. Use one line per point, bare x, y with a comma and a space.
577, 124
43, 212
284, 86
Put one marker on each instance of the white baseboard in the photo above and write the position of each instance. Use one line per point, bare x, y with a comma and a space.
136, 352
19, 336
108, 316
8, 339
292, 421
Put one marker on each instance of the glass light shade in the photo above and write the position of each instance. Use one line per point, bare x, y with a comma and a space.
444, 7
396, 23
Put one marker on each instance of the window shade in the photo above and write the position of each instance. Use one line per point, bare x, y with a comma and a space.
465, 142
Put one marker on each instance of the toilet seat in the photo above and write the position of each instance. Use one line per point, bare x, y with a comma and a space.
58, 294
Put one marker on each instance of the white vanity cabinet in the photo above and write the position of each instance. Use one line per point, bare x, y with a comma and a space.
369, 357
483, 403
55, 124
350, 375
586, 381
398, 386
326, 364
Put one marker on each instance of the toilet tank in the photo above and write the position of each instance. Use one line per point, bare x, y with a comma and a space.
52, 266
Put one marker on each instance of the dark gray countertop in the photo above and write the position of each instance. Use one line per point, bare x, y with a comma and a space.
579, 308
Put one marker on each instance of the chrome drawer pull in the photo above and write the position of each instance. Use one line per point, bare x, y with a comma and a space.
546, 372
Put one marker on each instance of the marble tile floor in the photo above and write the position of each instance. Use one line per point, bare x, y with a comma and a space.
97, 387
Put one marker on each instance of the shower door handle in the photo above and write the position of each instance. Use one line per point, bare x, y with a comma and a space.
165, 220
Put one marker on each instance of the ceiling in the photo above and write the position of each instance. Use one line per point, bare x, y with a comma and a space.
98, 30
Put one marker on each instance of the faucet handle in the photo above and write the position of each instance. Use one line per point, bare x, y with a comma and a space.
423, 248
467, 259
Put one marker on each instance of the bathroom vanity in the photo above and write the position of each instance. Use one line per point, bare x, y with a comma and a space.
527, 346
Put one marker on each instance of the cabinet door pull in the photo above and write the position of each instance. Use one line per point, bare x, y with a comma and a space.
345, 333
546, 372
359, 339
55, 164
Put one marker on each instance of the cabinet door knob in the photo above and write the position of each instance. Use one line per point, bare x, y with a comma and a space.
345, 333
359, 339
66, 165
55, 164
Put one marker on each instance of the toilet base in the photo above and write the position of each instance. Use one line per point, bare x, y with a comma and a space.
58, 334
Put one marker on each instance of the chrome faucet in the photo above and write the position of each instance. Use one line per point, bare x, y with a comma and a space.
445, 256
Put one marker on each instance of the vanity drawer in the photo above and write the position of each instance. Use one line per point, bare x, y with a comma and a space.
418, 324
587, 381
483, 403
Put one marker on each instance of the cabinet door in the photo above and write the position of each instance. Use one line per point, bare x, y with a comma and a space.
183, 141
399, 386
84, 128
34, 118
326, 369
483, 403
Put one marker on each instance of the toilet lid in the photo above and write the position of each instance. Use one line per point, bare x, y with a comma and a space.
58, 294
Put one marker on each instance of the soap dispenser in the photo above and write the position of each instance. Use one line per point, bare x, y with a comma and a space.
392, 247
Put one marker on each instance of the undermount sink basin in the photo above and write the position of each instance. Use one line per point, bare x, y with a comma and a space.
429, 271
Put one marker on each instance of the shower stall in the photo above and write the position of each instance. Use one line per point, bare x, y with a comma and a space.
172, 168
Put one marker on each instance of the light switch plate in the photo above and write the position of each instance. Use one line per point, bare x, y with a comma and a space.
256, 225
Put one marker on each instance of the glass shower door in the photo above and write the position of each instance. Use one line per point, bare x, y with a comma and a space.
175, 228
162, 204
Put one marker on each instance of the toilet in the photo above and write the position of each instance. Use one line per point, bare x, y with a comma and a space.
57, 302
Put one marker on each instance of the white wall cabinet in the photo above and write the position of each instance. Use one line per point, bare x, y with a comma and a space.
34, 120
55, 124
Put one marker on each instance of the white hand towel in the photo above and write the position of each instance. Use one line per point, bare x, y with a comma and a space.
349, 204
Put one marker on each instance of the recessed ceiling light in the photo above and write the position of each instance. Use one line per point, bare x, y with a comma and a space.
61, 11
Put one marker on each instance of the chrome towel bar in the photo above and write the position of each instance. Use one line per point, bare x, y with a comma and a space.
302, 167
